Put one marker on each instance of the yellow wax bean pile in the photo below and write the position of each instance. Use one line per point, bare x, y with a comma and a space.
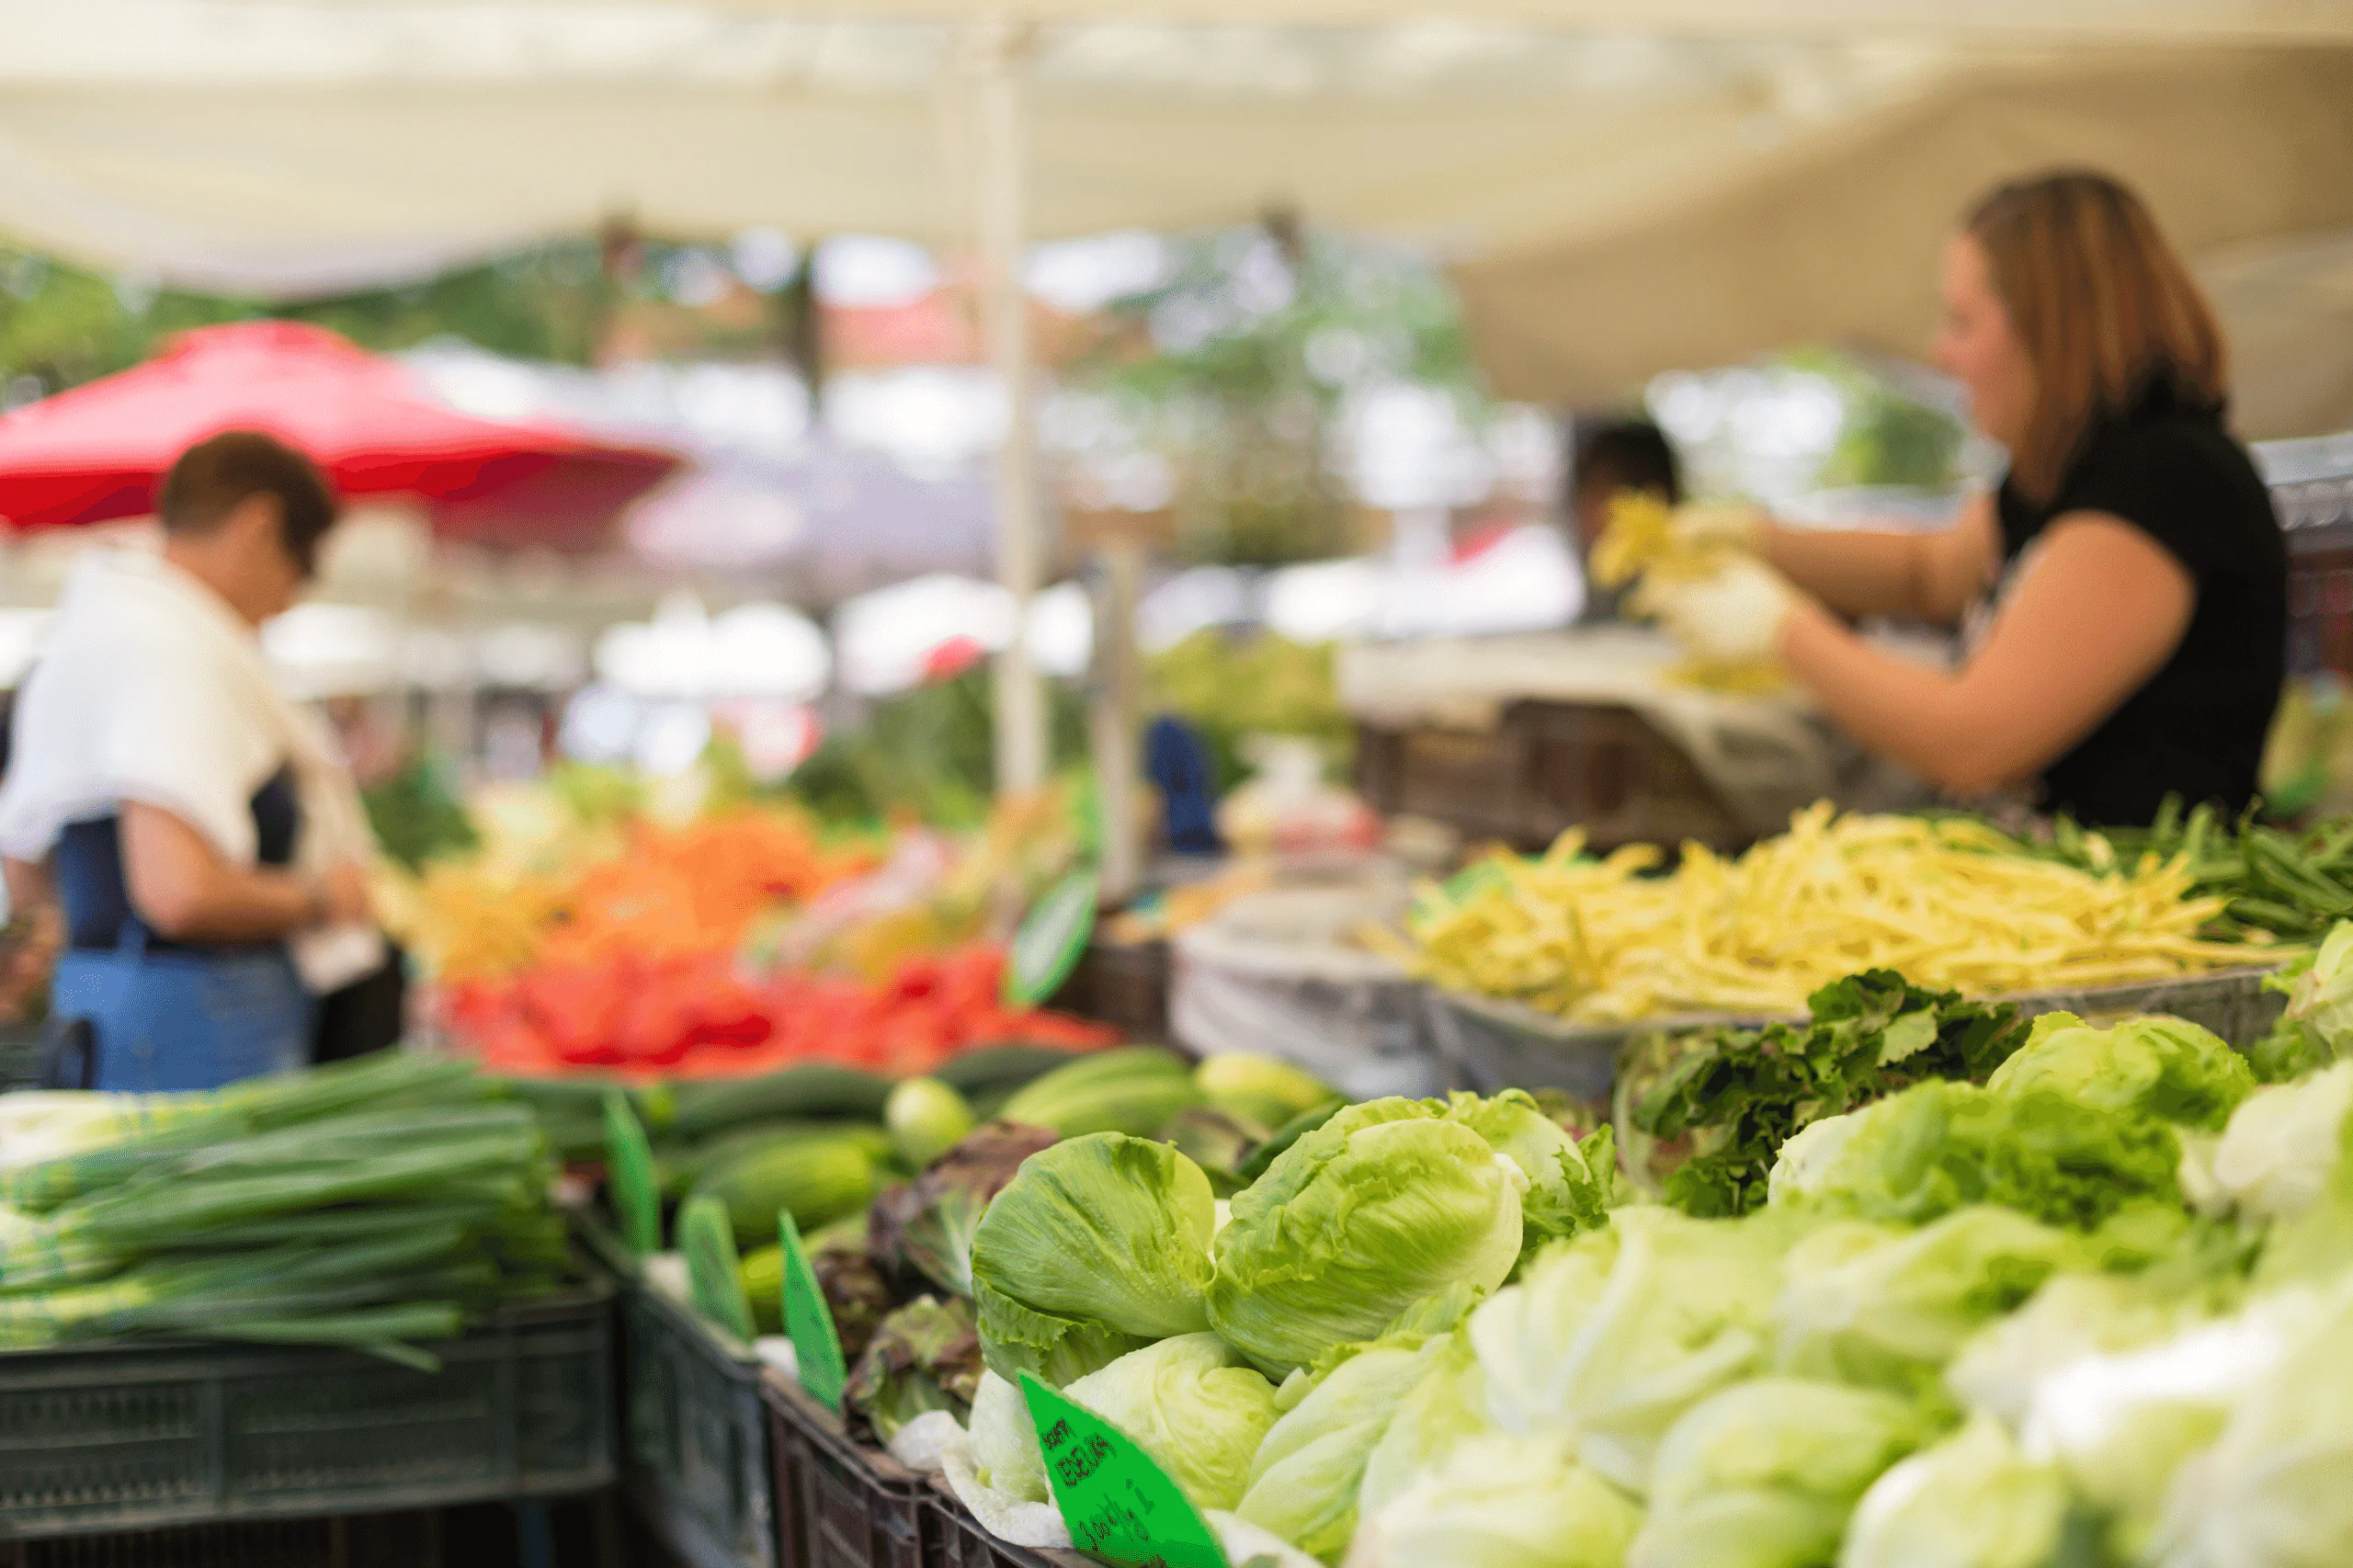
1597, 940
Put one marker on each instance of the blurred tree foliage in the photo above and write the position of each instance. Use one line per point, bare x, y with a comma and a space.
63, 324
1239, 364
927, 753
1887, 438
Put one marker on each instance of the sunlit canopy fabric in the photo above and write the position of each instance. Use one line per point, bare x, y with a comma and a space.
1837, 236
1628, 185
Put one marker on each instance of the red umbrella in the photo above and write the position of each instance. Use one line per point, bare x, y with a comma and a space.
98, 451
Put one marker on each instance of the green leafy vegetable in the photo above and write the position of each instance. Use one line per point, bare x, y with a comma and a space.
924, 1356
1972, 1501
1192, 1404
1765, 1473
1610, 1339
1938, 1147
1500, 1502
1447, 1404
1384, 1204
1306, 1475
2165, 1067
1098, 1246
926, 1227
1746, 1092
2272, 1488
2278, 1153
1877, 1305
1005, 1454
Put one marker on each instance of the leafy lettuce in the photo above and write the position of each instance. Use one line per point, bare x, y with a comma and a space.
2164, 1067
1499, 1502
1765, 1473
1609, 1338
1883, 1306
1938, 1147
1743, 1093
1097, 1247
1972, 1501
1387, 1203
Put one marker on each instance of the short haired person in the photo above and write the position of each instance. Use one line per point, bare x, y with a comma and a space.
2123, 595
1611, 458
191, 823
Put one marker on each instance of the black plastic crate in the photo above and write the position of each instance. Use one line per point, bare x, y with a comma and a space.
411, 1539
964, 1544
111, 1438
840, 1504
696, 1453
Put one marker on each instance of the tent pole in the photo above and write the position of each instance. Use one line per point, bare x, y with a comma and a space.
1021, 699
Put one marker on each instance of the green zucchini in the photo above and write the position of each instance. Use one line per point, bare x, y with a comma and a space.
1132, 1091
690, 1165
812, 1089
818, 1181
1000, 1068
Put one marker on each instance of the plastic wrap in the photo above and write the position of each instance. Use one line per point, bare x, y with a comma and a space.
1276, 973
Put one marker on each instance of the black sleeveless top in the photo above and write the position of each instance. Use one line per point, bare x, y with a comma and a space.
96, 899
2197, 728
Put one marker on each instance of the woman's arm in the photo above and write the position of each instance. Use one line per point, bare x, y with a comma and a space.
1931, 576
2100, 609
185, 891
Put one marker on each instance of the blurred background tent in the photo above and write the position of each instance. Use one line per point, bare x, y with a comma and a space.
1727, 176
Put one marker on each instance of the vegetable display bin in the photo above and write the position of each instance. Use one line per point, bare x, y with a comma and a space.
964, 1544
409, 1539
840, 1504
1494, 1045
118, 1438
695, 1449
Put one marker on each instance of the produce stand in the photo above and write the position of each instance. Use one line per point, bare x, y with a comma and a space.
129, 1437
695, 1437
1492, 1044
839, 1502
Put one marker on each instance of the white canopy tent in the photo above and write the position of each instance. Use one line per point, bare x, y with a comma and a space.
1721, 174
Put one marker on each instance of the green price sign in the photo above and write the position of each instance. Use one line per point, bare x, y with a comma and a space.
1052, 939
1120, 1507
810, 1321
629, 1172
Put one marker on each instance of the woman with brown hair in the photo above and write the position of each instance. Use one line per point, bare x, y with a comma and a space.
2124, 593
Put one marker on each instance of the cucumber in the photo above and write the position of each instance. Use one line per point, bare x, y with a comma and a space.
763, 1274
692, 1164
1000, 1068
817, 1181
813, 1089
1133, 1091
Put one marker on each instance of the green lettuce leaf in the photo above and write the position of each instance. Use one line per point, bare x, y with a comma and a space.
1099, 1245
1386, 1203
1447, 1404
1878, 1305
2165, 1067
1500, 1502
1941, 1146
1192, 1404
1972, 1501
1306, 1477
1765, 1473
1609, 1339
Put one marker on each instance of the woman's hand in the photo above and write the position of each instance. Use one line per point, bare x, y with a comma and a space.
1732, 618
